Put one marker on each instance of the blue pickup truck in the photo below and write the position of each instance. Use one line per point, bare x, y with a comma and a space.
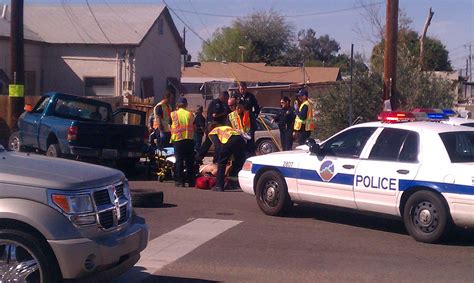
63, 125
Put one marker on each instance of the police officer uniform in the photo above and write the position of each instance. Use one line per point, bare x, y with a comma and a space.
182, 130
286, 121
230, 143
304, 123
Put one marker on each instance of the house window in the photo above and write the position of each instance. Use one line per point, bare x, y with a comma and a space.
147, 89
160, 26
99, 86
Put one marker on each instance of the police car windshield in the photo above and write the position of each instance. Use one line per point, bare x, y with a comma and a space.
460, 146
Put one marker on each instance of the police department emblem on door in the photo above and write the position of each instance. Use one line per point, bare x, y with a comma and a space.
326, 171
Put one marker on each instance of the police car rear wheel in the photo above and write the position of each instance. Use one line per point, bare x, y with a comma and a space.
426, 217
272, 194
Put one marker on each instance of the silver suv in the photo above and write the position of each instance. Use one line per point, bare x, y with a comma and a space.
62, 219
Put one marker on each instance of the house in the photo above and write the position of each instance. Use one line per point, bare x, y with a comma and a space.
99, 49
268, 83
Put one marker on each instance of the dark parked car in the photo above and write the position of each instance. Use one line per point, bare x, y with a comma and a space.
270, 111
65, 125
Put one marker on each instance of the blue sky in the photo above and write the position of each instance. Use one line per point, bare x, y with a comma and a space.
453, 21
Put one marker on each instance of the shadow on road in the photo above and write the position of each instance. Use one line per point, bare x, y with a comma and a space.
159, 278
457, 236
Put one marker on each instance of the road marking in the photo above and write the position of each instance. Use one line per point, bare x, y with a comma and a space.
174, 245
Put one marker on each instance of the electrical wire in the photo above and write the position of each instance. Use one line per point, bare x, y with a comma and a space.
97, 22
200, 19
217, 51
285, 16
157, 48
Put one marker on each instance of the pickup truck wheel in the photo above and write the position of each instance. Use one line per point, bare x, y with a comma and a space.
53, 150
24, 258
272, 194
426, 217
14, 142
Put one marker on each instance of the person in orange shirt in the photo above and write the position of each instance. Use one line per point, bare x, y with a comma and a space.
242, 121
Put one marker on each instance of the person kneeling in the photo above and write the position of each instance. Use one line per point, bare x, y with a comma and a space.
229, 142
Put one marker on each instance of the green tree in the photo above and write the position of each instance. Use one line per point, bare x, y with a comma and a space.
435, 57
269, 34
333, 106
224, 46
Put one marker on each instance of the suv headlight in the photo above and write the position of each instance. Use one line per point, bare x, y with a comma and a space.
126, 189
73, 204
76, 207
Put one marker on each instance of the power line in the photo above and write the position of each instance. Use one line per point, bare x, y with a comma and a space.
138, 33
217, 51
76, 23
200, 19
286, 16
97, 22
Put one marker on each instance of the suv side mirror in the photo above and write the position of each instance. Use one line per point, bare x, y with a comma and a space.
314, 147
28, 108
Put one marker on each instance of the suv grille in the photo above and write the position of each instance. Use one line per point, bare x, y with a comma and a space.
104, 201
102, 197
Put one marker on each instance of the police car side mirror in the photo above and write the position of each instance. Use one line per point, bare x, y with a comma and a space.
314, 147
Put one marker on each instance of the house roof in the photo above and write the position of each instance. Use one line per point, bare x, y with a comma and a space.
27, 33
118, 24
259, 72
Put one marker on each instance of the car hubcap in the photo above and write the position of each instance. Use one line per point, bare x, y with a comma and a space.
17, 264
271, 193
15, 144
425, 216
266, 148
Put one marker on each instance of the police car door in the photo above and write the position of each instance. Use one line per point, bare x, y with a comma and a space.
328, 178
392, 159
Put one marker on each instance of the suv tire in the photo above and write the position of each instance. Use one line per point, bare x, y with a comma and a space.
28, 255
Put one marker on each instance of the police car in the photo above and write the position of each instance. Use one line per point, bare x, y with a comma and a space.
420, 171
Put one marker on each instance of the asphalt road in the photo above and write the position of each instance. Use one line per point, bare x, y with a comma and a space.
311, 244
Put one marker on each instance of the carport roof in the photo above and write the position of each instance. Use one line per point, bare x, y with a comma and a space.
259, 73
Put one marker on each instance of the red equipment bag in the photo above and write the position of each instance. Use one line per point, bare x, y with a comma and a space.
205, 182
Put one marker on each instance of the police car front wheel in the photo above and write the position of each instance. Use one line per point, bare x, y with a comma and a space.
426, 217
272, 194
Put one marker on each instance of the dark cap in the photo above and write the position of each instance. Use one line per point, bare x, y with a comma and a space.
302, 92
182, 100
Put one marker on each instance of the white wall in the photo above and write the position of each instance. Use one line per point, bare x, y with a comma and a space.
66, 66
33, 59
159, 57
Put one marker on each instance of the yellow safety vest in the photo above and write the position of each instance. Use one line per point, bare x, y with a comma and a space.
166, 120
238, 123
224, 133
181, 125
309, 123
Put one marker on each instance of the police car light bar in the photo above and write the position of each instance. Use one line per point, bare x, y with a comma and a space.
449, 112
431, 114
396, 117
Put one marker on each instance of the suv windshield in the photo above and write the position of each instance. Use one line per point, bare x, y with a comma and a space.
460, 146
81, 110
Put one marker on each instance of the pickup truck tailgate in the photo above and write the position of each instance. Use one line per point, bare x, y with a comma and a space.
110, 136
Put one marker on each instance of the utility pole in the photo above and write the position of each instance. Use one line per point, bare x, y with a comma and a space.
16, 99
467, 78
184, 44
470, 69
350, 87
390, 54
